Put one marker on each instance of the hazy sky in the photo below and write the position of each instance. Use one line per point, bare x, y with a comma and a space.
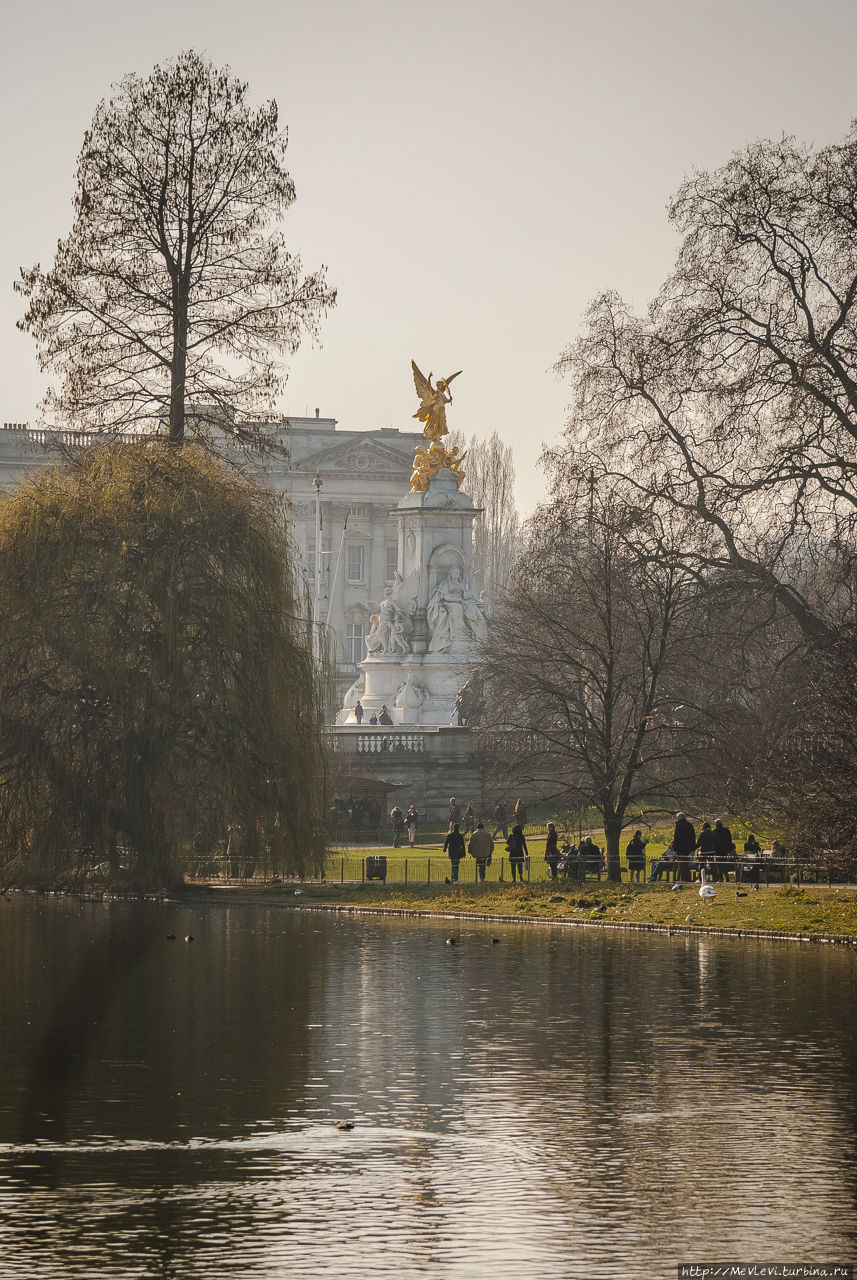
471, 172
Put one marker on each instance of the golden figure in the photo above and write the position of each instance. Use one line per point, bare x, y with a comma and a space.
433, 402
432, 413
427, 462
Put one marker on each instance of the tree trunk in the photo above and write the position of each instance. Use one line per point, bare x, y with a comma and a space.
613, 833
178, 366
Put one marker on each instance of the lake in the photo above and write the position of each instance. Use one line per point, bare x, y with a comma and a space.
566, 1102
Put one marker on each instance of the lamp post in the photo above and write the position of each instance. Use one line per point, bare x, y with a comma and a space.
316, 639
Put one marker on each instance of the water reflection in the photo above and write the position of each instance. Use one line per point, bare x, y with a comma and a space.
573, 1101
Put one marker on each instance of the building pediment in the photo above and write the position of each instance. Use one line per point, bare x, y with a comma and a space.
361, 455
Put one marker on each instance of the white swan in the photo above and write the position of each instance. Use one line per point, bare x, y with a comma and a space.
706, 891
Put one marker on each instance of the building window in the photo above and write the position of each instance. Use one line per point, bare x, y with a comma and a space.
392, 564
355, 563
355, 649
358, 511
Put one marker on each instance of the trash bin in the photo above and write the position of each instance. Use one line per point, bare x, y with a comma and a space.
376, 868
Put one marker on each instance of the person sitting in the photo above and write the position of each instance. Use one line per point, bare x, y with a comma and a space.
568, 864
590, 856
665, 864
778, 850
752, 847
384, 716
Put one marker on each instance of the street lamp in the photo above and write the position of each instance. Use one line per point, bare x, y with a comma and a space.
316, 484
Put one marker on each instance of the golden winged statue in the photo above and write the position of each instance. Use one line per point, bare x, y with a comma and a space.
433, 402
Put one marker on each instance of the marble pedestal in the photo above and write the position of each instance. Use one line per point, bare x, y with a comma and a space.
424, 640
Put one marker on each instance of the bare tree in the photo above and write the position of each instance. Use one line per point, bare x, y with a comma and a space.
169, 300
591, 689
490, 481
735, 400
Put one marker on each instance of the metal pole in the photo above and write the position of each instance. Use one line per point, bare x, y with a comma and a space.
316, 484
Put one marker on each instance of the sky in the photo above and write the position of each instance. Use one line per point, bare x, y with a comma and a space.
471, 172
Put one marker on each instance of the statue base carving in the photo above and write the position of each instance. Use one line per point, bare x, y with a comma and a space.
425, 635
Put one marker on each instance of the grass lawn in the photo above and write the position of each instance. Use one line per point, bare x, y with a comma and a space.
810, 910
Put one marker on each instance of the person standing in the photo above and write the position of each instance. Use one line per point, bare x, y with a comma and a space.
521, 814
398, 825
411, 822
501, 820
469, 819
384, 716
552, 854
454, 842
683, 845
481, 848
517, 846
358, 711
724, 849
636, 854
454, 813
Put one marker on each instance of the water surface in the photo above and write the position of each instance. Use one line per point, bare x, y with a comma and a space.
566, 1102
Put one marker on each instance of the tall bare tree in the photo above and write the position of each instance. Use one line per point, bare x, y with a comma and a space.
591, 691
490, 481
169, 302
734, 401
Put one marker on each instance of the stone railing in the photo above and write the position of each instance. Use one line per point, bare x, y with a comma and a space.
401, 742
375, 741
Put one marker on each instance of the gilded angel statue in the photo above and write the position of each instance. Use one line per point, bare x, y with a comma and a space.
433, 402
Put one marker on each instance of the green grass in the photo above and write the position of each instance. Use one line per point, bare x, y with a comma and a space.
810, 910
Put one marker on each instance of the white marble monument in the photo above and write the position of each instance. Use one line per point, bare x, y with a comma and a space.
423, 640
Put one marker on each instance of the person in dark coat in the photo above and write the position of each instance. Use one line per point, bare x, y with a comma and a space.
501, 820
705, 847
384, 716
398, 820
411, 818
552, 854
454, 842
517, 847
358, 711
636, 855
724, 849
683, 844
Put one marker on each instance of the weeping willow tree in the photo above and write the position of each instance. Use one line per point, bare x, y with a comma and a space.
157, 687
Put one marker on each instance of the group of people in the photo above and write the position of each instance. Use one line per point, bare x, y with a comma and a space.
713, 851
481, 843
401, 822
480, 846
383, 716
569, 859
